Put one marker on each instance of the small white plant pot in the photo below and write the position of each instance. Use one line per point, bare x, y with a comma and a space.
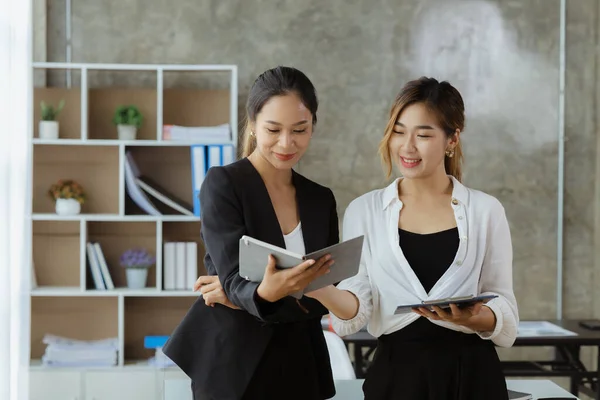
48, 130
67, 207
136, 277
126, 132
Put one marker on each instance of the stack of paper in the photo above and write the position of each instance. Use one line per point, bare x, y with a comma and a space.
198, 134
65, 352
160, 359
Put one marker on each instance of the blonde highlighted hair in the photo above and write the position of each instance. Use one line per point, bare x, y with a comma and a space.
445, 102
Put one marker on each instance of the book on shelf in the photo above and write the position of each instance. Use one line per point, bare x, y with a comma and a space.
140, 186
98, 267
180, 265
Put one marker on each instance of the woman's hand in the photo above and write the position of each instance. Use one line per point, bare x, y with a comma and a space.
212, 291
456, 315
279, 283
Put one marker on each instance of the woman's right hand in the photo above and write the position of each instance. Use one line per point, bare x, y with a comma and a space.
279, 283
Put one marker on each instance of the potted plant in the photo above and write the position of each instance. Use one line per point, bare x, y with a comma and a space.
128, 120
68, 196
136, 262
48, 128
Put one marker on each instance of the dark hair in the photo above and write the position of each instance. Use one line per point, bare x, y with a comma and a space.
277, 82
444, 101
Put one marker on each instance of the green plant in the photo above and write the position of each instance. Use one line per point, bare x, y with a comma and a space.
67, 189
128, 115
49, 113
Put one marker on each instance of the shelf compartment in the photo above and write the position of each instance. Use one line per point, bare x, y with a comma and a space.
103, 103
69, 119
117, 237
185, 232
170, 168
146, 316
196, 98
56, 253
82, 318
110, 89
96, 168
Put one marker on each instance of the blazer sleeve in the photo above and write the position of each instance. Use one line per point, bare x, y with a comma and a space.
222, 227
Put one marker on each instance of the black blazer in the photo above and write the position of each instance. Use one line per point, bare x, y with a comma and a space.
219, 348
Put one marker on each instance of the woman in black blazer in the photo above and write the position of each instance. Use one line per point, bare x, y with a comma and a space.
266, 344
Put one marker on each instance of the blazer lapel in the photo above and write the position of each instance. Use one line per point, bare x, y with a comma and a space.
268, 230
308, 219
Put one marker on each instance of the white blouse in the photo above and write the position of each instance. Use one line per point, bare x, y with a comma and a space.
482, 265
294, 241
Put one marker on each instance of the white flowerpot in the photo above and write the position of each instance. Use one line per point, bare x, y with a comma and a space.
136, 277
48, 130
126, 132
67, 207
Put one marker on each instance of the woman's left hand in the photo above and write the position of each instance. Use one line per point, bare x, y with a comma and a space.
456, 315
212, 291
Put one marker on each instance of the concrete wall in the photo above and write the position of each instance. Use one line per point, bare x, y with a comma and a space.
503, 56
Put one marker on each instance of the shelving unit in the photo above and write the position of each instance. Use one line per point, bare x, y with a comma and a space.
65, 301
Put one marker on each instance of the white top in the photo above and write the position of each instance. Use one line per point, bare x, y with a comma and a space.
294, 241
483, 264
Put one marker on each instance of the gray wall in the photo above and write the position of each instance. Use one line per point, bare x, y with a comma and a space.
502, 55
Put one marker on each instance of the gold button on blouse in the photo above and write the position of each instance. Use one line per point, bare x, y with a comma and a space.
455, 202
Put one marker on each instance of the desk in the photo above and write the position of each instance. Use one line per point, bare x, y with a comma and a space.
179, 389
352, 390
566, 363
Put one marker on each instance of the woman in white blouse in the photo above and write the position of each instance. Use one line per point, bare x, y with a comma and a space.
427, 236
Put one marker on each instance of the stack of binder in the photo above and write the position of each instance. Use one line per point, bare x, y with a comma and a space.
205, 157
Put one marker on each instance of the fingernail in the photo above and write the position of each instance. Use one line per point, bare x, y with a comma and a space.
328, 271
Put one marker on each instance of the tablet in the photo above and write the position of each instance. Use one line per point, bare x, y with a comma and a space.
254, 255
464, 301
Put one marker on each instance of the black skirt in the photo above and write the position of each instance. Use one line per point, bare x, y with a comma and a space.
424, 361
288, 368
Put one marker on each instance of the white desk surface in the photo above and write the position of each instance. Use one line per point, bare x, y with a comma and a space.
352, 390
179, 389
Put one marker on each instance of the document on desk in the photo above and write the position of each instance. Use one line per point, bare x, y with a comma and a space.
542, 329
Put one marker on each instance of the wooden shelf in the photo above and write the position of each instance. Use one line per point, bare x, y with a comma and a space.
56, 256
65, 301
186, 232
69, 119
104, 101
84, 318
151, 316
117, 237
170, 168
96, 169
113, 217
113, 142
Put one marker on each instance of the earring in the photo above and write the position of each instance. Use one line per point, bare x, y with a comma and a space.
251, 133
450, 153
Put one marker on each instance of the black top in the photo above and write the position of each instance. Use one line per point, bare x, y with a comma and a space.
220, 348
429, 256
